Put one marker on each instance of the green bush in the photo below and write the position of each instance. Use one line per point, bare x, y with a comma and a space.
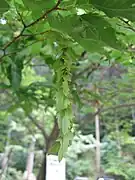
79, 157
18, 159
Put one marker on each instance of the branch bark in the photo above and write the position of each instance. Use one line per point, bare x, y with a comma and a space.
54, 134
39, 127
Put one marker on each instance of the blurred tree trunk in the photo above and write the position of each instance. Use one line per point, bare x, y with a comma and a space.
42, 171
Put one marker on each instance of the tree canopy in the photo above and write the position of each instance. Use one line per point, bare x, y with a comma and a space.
69, 40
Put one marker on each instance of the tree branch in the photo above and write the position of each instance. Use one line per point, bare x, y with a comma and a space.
54, 134
39, 127
114, 108
89, 69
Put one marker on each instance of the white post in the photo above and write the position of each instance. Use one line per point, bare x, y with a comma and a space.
97, 128
55, 169
30, 162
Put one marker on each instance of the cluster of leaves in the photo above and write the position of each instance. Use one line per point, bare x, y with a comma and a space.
13, 174
114, 164
64, 102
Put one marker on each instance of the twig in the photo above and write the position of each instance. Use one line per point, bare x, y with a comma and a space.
91, 67
21, 18
38, 65
127, 27
62, 9
113, 108
36, 34
127, 23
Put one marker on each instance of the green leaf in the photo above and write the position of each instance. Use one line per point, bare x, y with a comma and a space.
66, 117
91, 45
59, 101
66, 103
68, 4
3, 6
64, 143
12, 108
36, 47
14, 75
19, 2
84, 4
16, 78
65, 88
76, 98
117, 8
80, 2
65, 24
27, 107
100, 30
49, 60
4, 86
65, 125
55, 148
